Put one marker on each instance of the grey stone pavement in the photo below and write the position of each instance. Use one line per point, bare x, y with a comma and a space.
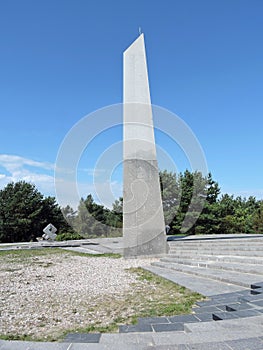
231, 317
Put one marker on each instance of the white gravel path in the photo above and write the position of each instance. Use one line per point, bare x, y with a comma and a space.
51, 293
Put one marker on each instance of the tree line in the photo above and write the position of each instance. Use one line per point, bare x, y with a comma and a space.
185, 194
192, 204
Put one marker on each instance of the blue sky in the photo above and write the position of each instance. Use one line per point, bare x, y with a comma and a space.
62, 60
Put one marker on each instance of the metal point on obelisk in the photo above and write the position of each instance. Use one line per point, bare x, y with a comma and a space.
143, 220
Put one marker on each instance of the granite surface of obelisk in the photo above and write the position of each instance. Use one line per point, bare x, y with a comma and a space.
143, 220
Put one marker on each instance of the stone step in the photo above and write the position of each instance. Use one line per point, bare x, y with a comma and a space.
203, 285
201, 335
217, 241
227, 251
224, 335
219, 258
236, 252
234, 310
222, 265
233, 277
246, 243
214, 245
221, 243
227, 334
206, 239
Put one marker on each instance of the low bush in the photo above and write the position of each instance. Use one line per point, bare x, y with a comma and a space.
67, 236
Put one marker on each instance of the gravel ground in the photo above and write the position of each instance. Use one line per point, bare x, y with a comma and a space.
45, 295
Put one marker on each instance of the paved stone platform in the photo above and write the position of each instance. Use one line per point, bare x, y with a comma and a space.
226, 269
88, 246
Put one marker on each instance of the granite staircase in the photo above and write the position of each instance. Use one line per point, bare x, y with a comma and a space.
229, 271
220, 264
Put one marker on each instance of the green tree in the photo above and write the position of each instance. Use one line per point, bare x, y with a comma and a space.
83, 223
237, 214
193, 192
91, 219
70, 215
212, 190
114, 217
209, 220
190, 202
24, 212
258, 219
227, 214
171, 194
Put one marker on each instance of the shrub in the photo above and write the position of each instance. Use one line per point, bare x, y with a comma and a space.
66, 236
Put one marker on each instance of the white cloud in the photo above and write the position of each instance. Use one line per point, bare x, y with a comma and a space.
13, 162
93, 171
104, 193
258, 193
254, 192
18, 168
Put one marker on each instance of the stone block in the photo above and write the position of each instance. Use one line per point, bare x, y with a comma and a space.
168, 327
245, 344
82, 338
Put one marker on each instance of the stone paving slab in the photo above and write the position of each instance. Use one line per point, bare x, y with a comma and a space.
25, 345
240, 306
153, 320
135, 328
183, 258
164, 347
106, 347
258, 303
204, 317
229, 266
204, 286
206, 309
183, 318
244, 344
247, 313
208, 346
82, 338
257, 285
83, 250
233, 277
117, 339
217, 316
224, 333
252, 327
90, 246
168, 327
19, 345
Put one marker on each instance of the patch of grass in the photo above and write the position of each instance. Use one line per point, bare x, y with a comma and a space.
27, 337
24, 337
153, 296
105, 255
9, 269
166, 298
96, 328
29, 253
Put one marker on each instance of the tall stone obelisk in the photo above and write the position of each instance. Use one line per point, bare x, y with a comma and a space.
143, 220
